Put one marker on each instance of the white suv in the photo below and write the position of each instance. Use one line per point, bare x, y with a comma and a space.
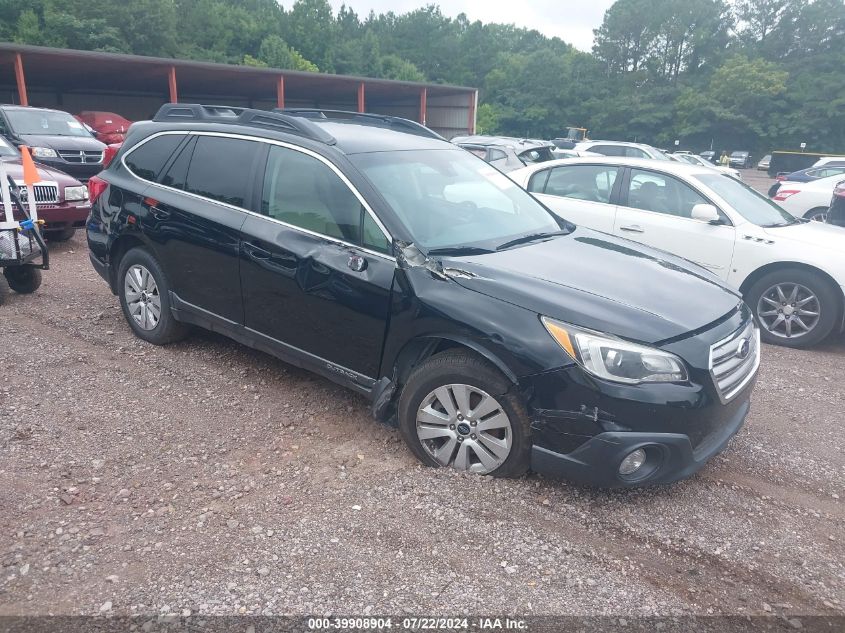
791, 272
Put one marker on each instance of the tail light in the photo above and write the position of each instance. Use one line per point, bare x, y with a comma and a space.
96, 187
109, 153
781, 177
839, 190
783, 194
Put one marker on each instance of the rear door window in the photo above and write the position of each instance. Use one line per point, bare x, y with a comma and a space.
593, 183
221, 169
148, 159
607, 150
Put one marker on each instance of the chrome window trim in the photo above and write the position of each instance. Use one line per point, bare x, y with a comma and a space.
256, 139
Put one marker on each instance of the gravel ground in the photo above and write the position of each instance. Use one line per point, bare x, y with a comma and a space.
209, 478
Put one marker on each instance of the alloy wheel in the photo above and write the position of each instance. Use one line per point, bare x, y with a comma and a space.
789, 310
818, 216
142, 297
464, 427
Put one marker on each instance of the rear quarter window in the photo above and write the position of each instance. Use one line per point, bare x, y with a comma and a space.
148, 159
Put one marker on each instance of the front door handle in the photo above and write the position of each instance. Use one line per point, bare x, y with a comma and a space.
632, 229
256, 252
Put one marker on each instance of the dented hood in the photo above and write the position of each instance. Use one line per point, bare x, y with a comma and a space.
601, 282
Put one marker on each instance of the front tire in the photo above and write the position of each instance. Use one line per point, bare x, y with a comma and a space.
818, 214
145, 299
456, 410
23, 279
794, 307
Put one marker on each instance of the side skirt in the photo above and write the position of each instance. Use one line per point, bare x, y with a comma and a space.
189, 313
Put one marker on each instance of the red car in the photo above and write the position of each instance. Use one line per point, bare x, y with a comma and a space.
61, 200
108, 127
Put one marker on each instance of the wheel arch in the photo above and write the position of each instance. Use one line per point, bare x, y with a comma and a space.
118, 249
419, 349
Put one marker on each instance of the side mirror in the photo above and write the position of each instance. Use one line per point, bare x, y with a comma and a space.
705, 212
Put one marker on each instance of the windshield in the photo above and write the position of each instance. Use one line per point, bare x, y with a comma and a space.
536, 155
754, 207
449, 199
45, 122
659, 154
7, 149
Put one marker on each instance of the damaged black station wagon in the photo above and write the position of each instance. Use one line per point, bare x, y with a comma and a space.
369, 250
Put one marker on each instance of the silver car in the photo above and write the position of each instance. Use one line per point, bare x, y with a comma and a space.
507, 153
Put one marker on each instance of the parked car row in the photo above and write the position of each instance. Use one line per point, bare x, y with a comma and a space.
67, 155
500, 322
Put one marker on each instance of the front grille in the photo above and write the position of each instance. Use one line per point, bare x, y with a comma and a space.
78, 157
44, 193
734, 361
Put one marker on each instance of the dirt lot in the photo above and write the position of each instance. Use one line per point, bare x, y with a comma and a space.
211, 478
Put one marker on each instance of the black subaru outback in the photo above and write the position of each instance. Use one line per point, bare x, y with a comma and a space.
369, 250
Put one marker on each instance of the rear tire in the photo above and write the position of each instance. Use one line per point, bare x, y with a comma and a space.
773, 309
23, 279
145, 299
483, 428
60, 235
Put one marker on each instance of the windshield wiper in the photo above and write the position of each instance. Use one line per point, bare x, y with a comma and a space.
459, 250
529, 238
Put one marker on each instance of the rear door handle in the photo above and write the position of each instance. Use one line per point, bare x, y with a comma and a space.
256, 252
632, 229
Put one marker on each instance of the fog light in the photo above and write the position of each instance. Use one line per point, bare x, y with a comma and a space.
632, 462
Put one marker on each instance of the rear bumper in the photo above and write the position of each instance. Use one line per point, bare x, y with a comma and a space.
102, 268
670, 456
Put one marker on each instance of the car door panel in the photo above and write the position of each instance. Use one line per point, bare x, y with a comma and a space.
199, 236
307, 282
663, 225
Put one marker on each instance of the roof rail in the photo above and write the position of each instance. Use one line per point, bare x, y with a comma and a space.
379, 120
243, 116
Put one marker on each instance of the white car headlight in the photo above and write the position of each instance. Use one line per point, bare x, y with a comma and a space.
611, 358
76, 193
43, 152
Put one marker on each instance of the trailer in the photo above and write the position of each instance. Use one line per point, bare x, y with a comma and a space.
23, 252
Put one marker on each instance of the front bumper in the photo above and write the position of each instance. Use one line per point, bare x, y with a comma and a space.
63, 216
669, 456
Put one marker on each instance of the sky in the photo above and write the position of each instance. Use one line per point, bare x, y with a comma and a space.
571, 20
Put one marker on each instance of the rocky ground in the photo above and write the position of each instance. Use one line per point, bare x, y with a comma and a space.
208, 478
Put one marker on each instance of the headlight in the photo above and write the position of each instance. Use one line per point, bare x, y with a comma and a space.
608, 357
76, 193
43, 152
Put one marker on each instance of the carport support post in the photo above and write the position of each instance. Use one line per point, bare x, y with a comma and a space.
171, 80
423, 99
21, 80
473, 103
280, 92
361, 97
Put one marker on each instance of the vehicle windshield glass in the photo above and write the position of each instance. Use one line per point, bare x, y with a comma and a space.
659, 155
451, 199
45, 122
754, 207
7, 149
536, 155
